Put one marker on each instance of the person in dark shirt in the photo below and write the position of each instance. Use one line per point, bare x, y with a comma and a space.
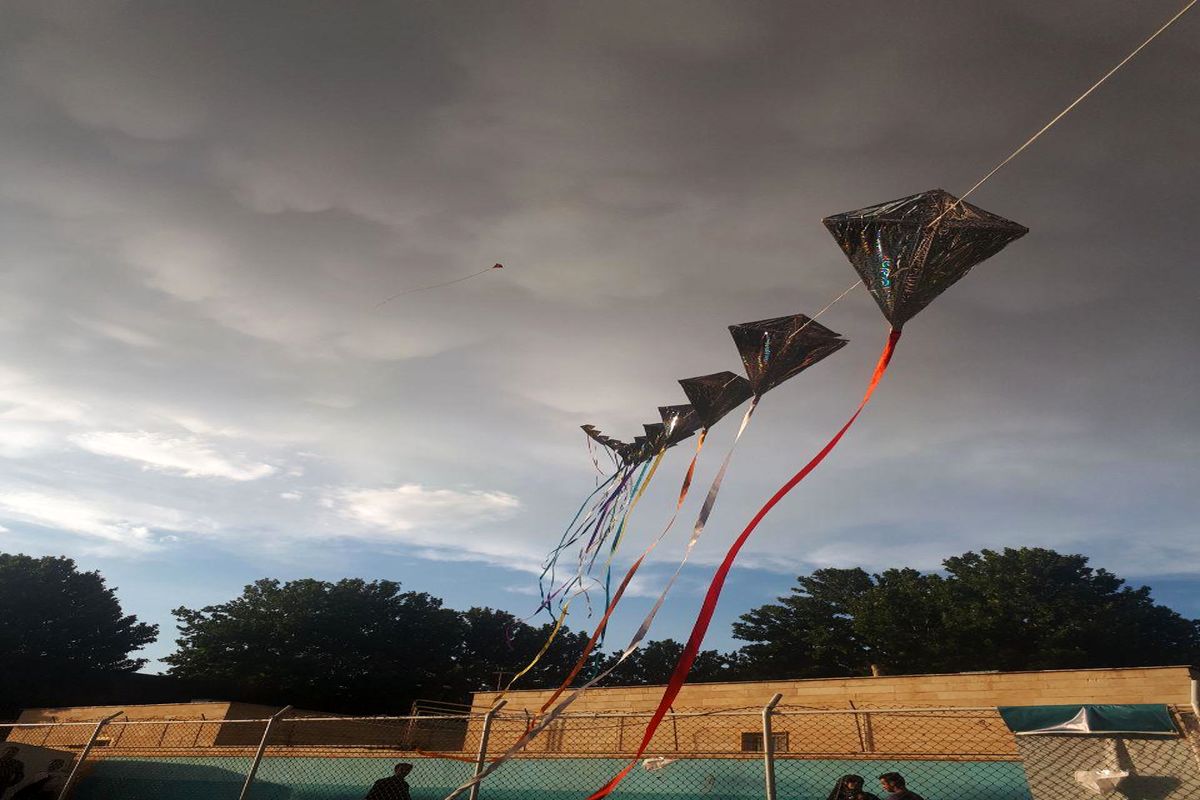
393, 788
850, 787
12, 769
893, 784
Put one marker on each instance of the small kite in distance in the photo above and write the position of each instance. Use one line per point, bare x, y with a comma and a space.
416, 289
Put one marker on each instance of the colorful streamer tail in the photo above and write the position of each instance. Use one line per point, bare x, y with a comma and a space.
718, 582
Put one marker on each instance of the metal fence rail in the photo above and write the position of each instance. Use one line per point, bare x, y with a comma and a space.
771, 751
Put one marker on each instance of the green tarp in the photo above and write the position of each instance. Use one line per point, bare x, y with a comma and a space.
1082, 719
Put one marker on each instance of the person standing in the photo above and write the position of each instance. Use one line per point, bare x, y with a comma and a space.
393, 788
850, 787
893, 783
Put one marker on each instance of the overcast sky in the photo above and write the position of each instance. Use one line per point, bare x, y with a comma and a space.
201, 205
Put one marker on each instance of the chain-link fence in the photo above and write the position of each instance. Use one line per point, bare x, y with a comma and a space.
771, 751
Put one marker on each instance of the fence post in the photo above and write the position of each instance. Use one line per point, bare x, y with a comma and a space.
262, 747
769, 746
84, 754
481, 759
1194, 676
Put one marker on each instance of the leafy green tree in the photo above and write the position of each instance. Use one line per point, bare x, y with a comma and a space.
58, 625
808, 634
901, 620
351, 646
1037, 609
496, 646
653, 663
1027, 608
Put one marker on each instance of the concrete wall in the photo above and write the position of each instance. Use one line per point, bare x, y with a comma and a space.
183, 725
163, 711
1168, 685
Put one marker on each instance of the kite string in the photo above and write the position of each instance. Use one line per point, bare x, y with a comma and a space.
1025, 145
415, 289
829, 305
692, 648
1068, 109
1036, 136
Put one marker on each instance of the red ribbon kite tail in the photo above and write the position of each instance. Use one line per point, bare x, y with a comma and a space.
718, 582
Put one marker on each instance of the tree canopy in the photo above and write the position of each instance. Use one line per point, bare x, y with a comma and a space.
653, 663
352, 646
359, 646
497, 646
60, 625
1015, 609
356, 646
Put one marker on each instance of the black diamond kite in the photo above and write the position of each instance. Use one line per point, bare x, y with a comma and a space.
909, 251
714, 396
774, 350
681, 422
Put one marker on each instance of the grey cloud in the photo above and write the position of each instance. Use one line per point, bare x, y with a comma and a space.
202, 206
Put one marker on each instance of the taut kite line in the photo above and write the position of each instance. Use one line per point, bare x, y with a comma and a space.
416, 289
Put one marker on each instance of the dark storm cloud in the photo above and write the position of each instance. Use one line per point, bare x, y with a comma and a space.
202, 205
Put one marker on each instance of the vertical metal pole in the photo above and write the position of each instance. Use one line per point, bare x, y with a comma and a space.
1194, 675
862, 740
408, 743
481, 759
769, 746
84, 754
262, 747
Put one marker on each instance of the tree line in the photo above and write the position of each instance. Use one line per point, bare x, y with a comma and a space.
357, 646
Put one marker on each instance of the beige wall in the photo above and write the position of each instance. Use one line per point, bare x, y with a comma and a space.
1169, 685
214, 710
928, 734
957, 734
184, 725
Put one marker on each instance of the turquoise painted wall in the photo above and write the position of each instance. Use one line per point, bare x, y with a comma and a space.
533, 779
